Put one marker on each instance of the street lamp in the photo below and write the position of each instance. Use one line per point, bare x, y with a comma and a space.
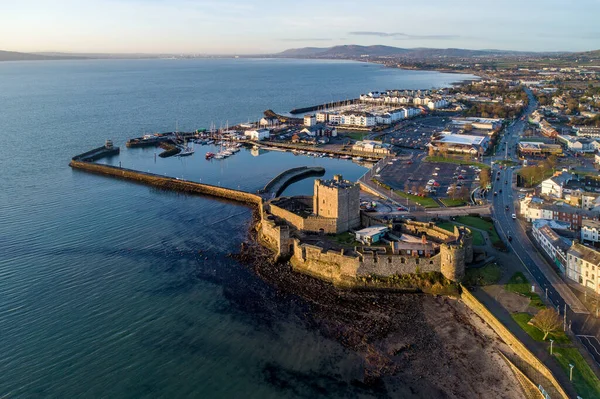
551, 342
571, 367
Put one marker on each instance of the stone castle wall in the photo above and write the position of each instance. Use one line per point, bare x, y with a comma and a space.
389, 265
332, 266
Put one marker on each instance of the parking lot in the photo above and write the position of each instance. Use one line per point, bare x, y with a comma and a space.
417, 133
415, 177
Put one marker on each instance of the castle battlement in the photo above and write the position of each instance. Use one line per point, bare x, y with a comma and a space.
288, 222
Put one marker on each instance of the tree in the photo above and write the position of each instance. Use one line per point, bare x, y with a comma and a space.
484, 177
547, 321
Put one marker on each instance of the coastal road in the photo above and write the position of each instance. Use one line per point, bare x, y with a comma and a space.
551, 285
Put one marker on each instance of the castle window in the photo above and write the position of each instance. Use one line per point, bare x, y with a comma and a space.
389, 260
402, 260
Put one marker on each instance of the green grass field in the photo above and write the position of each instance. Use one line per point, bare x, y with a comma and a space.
356, 135
523, 318
477, 236
425, 202
486, 275
478, 223
449, 202
520, 285
585, 381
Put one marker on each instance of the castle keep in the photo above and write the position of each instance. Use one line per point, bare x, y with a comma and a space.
302, 229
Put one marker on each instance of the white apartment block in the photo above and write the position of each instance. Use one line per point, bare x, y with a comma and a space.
583, 264
590, 230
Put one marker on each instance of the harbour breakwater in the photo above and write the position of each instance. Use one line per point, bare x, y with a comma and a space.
276, 186
168, 183
333, 104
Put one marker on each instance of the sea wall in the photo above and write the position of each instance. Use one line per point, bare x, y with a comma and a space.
512, 341
168, 183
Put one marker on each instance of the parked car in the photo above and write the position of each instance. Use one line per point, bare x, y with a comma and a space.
514, 216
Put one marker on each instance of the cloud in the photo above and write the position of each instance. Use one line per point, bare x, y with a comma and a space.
404, 36
307, 39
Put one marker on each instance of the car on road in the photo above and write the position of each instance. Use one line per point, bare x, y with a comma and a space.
513, 216
497, 178
495, 193
500, 190
506, 208
505, 181
509, 238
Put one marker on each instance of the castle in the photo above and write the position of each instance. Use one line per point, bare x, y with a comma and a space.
304, 229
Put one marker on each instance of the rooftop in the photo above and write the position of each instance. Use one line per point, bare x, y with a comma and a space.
585, 253
463, 139
591, 224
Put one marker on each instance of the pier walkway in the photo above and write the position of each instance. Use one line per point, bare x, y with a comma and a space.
276, 186
168, 183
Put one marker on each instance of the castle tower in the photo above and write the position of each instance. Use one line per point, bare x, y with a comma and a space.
338, 199
452, 261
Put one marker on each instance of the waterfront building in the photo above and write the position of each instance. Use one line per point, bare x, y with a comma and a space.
310, 120
376, 147
583, 264
320, 130
360, 119
257, 134
268, 122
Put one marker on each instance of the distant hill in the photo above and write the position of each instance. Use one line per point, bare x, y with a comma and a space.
356, 51
16, 56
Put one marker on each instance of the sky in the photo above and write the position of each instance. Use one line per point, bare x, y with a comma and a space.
268, 26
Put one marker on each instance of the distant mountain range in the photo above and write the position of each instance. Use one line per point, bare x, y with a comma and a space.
15, 56
340, 52
356, 51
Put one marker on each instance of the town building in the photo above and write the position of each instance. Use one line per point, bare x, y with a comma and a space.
583, 264
590, 231
532, 208
553, 186
547, 129
579, 144
554, 245
478, 123
587, 131
459, 143
532, 148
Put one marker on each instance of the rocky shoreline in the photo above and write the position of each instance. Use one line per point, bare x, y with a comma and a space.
412, 345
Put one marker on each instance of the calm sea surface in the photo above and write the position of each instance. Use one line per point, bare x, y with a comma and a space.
111, 289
